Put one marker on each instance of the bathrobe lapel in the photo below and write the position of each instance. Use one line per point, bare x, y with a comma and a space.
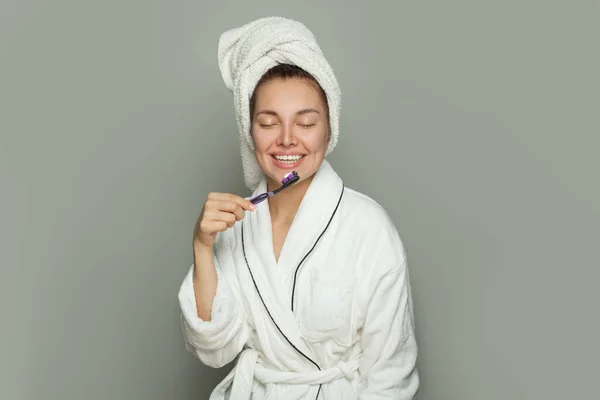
312, 218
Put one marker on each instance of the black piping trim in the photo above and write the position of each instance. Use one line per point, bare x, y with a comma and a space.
263, 301
294, 286
315, 245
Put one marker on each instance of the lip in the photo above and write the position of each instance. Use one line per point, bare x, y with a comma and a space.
287, 154
285, 166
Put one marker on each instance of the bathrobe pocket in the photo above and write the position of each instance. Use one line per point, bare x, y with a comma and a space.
327, 308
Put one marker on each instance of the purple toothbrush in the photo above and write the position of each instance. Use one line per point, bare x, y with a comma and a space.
287, 181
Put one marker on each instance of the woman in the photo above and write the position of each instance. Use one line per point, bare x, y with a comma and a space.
310, 289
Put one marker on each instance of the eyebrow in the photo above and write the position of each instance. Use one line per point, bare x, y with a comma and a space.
307, 111
301, 112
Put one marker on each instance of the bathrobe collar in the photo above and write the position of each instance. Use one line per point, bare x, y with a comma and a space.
310, 223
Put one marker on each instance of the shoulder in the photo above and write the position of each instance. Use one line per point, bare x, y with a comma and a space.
367, 238
364, 211
372, 225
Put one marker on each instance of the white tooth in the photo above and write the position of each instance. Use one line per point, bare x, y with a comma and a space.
288, 158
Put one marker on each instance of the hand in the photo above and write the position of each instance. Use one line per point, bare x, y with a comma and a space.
220, 212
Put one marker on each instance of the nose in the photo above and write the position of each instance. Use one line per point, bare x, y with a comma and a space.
286, 136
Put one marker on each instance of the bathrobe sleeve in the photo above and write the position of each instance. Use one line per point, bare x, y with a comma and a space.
388, 364
216, 342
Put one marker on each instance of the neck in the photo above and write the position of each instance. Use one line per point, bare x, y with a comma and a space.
283, 205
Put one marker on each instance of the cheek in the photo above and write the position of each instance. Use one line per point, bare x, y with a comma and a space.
260, 144
319, 143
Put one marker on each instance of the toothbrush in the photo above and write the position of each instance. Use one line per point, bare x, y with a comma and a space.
287, 181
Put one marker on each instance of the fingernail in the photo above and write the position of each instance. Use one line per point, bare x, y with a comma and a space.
252, 207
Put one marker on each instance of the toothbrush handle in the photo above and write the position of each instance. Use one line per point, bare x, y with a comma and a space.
261, 197
257, 199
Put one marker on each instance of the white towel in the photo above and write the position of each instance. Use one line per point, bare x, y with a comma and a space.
247, 52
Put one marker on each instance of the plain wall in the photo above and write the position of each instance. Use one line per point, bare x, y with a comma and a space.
474, 123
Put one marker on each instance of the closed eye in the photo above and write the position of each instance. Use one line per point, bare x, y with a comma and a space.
307, 126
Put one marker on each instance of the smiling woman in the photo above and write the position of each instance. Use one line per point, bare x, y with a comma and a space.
310, 289
290, 124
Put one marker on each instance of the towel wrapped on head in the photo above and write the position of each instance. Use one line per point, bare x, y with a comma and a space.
247, 52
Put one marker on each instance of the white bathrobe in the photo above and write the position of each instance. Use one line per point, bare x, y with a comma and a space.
331, 319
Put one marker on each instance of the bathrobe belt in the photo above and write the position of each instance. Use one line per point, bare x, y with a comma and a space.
247, 369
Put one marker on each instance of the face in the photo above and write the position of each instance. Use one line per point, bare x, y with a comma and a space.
290, 129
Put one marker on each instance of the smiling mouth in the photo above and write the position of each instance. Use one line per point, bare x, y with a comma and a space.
288, 159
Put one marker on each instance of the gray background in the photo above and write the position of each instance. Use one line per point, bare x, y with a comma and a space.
474, 123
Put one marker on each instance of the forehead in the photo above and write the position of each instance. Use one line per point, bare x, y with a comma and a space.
291, 92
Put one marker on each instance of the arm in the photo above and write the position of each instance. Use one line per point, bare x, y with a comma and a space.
214, 324
217, 339
388, 364
205, 280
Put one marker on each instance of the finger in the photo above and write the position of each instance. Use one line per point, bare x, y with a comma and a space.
224, 216
221, 205
230, 207
242, 202
227, 206
213, 226
229, 218
247, 205
239, 213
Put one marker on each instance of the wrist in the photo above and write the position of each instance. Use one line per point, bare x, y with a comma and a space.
201, 248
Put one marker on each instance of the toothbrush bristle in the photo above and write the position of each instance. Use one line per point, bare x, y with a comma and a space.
289, 176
